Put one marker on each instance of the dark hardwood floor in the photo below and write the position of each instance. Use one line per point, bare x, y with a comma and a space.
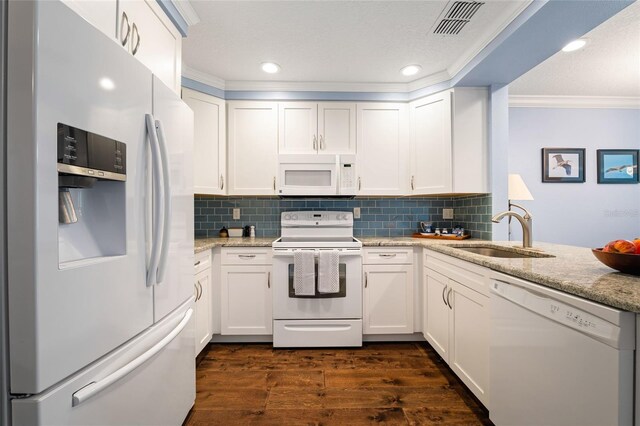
380, 383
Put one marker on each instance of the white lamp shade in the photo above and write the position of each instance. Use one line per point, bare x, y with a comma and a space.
518, 189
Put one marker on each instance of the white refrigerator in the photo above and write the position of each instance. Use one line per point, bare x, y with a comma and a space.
99, 307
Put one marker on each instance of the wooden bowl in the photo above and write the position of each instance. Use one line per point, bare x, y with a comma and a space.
623, 262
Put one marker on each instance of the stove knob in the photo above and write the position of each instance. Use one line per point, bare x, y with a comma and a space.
294, 217
344, 217
287, 217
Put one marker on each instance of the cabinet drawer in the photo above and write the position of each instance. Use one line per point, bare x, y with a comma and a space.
202, 261
460, 271
388, 256
246, 256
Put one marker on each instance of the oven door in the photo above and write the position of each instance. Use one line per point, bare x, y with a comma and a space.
346, 304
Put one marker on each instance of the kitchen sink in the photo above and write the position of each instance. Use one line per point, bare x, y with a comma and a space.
501, 252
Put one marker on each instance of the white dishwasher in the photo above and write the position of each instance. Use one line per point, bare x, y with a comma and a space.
557, 359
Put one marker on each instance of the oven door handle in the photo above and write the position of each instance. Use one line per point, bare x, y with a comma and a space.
278, 253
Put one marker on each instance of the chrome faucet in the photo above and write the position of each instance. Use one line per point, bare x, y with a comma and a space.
525, 221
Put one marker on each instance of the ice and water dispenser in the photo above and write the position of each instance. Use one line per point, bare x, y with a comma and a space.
92, 174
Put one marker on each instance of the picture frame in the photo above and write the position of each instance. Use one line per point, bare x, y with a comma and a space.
563, 165
618, 166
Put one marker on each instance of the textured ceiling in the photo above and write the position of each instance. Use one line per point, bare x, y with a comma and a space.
335, 41
609, 65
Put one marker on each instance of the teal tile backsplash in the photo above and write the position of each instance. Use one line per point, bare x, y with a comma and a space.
380, 217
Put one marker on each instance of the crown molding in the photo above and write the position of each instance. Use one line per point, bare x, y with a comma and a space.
203, 77
186, 10
294, 86
545, 101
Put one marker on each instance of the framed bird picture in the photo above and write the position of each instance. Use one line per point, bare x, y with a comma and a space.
618, 165
564, 165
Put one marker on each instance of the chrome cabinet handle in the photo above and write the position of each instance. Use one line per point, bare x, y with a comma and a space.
412, 185
247, 256
359, 183
315, 143
125, 19
195, 286
387, 254
448, 301
197, 263
221, 182
198, 290
274, 183
322, 145
443, 291
268, 279
366, 279
134, 32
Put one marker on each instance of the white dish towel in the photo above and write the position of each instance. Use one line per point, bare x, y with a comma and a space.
304, 273
328, 271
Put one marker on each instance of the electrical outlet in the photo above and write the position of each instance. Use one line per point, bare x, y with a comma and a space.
236, 214
356, 212
447, 213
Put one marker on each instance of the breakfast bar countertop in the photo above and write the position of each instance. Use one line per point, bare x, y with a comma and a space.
574, 270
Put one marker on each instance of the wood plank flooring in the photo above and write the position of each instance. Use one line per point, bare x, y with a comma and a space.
380, 383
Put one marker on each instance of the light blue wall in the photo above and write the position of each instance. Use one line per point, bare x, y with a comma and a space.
583, 214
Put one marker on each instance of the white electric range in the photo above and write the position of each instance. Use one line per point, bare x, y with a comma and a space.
333, 319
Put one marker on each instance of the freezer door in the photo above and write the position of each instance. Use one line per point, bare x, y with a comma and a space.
158, 391
174, 127
76, 291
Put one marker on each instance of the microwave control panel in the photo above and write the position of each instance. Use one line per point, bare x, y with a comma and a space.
347, 175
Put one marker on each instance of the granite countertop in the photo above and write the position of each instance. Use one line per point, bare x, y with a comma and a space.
202, 244
573, 270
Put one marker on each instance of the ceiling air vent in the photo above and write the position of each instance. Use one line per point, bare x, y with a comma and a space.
459, 14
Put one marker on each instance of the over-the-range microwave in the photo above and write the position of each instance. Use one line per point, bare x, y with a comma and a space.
316, 175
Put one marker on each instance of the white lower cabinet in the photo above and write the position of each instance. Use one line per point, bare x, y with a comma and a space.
246, 295
202, 306
388, 293
456, 308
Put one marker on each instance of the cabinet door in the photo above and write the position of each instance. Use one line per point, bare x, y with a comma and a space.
469, 348
203, 309
100, 14
383, 157
246, 300
253, 148
298, 123
388, 299
209, 142
336, 128
437, 313
152, 39
431, 145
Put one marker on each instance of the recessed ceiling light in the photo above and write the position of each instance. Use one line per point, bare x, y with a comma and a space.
575, 45
270, 67
411, 70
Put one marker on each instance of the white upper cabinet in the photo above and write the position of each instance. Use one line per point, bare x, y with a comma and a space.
431, 145
148, 34
383, 149
143, 29
253, 148
100, 14
210, 148
310, 128
449, 142
298, 128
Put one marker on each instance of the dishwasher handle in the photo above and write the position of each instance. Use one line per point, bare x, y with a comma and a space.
559, 312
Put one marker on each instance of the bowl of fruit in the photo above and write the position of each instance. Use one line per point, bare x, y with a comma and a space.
622, 255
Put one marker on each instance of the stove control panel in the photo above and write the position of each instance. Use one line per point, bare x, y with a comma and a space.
316, 219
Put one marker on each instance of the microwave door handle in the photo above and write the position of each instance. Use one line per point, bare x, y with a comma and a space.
157, 195
166, 222
338, 177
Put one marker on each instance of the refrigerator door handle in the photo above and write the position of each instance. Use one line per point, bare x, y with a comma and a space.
166, 221
93, 388
158, 201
